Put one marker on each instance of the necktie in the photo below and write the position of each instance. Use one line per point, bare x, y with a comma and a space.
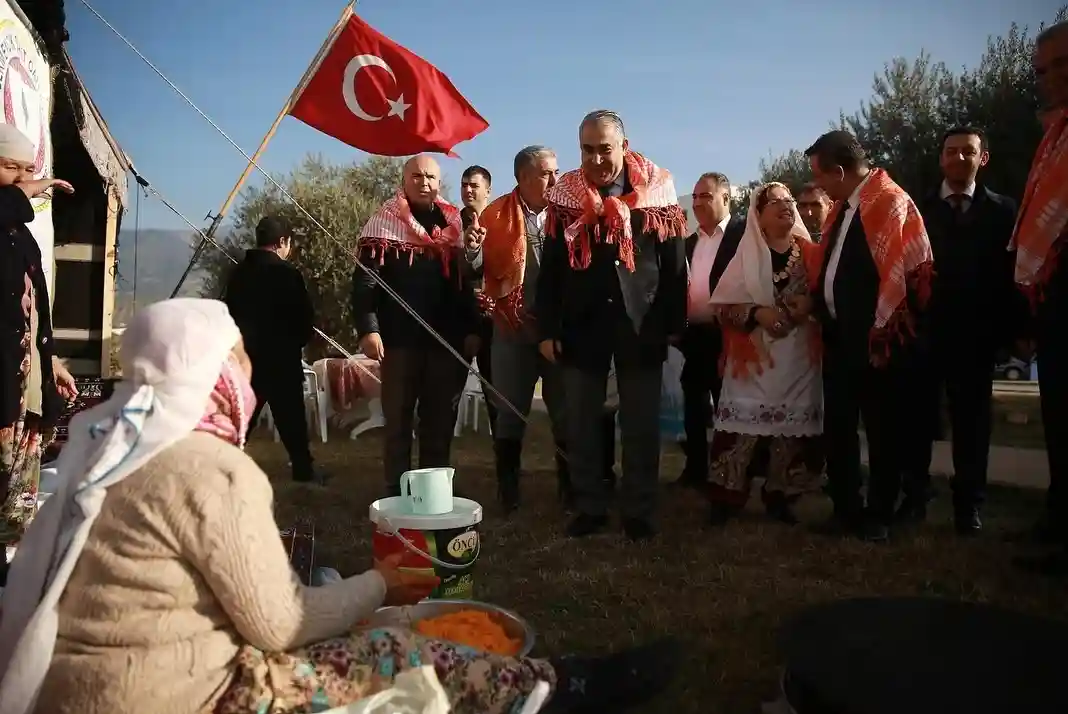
959, 202
832, 233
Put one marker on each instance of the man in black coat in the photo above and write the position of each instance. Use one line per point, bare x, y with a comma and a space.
708, 251
974, 312
269, 302
414, 244
612, 287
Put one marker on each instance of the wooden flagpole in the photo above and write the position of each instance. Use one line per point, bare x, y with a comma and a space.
293, 97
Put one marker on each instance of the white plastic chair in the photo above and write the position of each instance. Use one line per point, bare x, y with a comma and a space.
316, 400
470, 400
316, 405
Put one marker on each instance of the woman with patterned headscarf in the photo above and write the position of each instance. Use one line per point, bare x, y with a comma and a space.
156, 580
772, 387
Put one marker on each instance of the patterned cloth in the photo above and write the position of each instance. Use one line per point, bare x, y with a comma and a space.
393, 227
230, 406
21, 446
1039, 237
902, 253
794, 466
344, 670
575, 203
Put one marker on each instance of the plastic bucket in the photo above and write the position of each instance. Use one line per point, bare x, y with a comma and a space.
446, 545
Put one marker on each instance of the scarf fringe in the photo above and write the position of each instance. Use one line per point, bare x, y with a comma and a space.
665, 221
381, 247
901, 327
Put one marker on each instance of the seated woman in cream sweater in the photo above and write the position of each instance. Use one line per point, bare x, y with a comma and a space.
156, 579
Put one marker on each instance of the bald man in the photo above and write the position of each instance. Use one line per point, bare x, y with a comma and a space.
413, 243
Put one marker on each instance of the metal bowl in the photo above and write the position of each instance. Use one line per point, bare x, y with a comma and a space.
407, 615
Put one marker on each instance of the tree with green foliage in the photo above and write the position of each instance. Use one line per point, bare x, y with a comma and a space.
341, 198
914, 103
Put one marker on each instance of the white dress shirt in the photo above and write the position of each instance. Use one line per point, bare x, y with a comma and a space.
704, 255
836, 251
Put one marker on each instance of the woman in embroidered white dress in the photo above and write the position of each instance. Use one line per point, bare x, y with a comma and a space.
772, 386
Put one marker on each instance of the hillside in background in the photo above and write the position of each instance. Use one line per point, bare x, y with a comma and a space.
160, 257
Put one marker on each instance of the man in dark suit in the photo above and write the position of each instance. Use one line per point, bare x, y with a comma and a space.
708, 251
876, 268
612, 286
269, 302
974, 313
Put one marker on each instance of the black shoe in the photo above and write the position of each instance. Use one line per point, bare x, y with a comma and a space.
565, 492
310, 474
912, 511
584, 525
1053, 565
508, 455
967, 521
614, 682
639, 529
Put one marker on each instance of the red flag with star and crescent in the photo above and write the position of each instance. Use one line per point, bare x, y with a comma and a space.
379, 97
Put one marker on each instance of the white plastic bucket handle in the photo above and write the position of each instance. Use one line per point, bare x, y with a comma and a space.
388, 528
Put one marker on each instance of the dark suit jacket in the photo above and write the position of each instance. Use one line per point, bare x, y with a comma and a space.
445, 301
974, 301
702, 343
583, 309
856, 290
269, 301
21, 256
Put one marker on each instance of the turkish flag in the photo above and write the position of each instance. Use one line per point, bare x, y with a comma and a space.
379, 97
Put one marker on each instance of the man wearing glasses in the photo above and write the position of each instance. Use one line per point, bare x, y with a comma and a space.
708, 251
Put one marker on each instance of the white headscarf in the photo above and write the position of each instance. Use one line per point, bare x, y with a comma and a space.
749, 278
15, 145
172, 354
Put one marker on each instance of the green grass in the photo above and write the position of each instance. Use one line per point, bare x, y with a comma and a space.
724, 593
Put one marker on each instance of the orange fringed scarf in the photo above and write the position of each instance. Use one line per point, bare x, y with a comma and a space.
901, 250
504, 258
745, 351
575, 204
1039, 237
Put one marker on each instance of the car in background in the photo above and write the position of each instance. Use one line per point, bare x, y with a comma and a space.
1013, 370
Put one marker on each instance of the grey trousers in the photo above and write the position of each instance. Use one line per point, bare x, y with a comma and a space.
639, 424
517, 365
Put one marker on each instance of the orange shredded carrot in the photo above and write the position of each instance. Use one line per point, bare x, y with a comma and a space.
473, 628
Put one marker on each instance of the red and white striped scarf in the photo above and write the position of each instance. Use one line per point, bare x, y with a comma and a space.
230, 406
576, 203
393, 227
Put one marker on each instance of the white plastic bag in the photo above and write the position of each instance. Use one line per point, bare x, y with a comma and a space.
414, 691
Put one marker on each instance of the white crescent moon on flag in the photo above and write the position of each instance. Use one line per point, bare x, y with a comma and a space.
348, 87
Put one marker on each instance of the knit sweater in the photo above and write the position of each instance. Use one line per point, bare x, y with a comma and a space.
183, 566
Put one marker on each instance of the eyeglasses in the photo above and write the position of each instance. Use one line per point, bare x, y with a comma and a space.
781, 202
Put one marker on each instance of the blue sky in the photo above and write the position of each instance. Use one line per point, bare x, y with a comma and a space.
702, 86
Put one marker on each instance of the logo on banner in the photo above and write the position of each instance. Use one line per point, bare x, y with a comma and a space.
22, 74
